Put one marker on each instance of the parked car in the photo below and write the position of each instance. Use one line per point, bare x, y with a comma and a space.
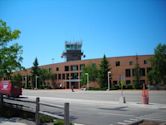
9, 89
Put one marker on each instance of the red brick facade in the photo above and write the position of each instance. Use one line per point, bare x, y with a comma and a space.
68, 73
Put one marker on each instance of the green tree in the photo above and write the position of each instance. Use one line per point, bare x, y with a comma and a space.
44, 75
16, 79
158, 62
35, 71
92, 71
153, 77
10, 54
103, 73
137, 75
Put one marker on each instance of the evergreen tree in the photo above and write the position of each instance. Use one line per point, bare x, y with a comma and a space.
16, 80
137, 75
103, 73
35, 71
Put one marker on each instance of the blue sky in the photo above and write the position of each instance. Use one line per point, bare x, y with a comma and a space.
111, 27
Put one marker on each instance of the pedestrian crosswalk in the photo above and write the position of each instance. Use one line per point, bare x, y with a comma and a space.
128, 121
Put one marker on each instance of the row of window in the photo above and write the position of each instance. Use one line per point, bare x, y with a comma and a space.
81, 66
66, 76
63, 76
134, 72
117, 63
74, 67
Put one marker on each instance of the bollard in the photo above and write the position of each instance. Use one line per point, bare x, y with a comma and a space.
145, 95
122, 99
37, 111
66, 114
145, 99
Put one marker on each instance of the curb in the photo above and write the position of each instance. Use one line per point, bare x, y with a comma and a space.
78, 124
97, 102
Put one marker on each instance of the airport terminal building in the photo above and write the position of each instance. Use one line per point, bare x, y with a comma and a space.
68, 73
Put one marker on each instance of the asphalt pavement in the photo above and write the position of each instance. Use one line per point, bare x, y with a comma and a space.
102, 107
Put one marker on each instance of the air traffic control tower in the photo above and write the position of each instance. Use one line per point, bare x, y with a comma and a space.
73, 51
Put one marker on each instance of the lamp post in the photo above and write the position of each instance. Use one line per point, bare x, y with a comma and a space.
69, 82
109, 80
25, 81
87, 77
79, 86
122, 98
36, 82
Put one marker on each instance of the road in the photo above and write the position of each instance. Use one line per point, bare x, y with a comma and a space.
131, 96
103, 107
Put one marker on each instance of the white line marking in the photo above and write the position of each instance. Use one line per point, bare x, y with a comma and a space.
134, 119
128, 121
116, 114
122, 123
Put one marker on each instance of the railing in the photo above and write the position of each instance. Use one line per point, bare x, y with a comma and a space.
37, 110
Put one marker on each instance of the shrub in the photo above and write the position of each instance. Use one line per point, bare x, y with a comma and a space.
60, 122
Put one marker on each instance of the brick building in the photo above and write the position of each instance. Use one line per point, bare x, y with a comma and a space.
68, 73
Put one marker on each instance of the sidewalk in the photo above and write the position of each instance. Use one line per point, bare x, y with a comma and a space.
19, 121
103, 103
15, 121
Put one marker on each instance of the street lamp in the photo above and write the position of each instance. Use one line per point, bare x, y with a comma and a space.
109, 80
69, 82
87, 77
36, 81
26, 82
79, 82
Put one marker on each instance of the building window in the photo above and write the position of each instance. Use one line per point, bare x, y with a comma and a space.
63, 76
67, 76
115, 82
74, 75
117, 63
66, 68
145, 62
59, 76
128, 73
57, 68
49, 70
133, 72
128, 82
131, 63
55, 76
142, 71
74, 68
82, 66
